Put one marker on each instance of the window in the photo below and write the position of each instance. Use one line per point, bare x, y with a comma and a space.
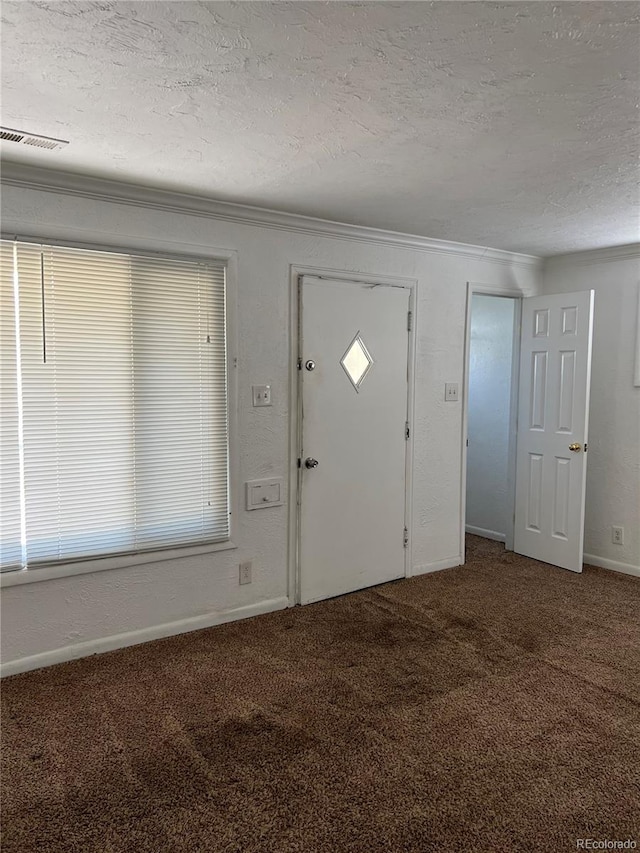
114, 433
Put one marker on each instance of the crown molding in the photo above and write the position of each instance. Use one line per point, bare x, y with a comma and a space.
107, 190
627, 252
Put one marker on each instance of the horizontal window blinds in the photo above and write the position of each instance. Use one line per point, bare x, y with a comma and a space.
116, 394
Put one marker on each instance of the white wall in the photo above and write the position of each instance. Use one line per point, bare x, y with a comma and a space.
490, 364
613, 471
81, 614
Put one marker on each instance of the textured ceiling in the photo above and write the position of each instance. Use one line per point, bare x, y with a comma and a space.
512, 125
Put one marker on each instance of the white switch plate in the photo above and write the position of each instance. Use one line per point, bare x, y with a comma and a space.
263, 493
451, 392
261, 395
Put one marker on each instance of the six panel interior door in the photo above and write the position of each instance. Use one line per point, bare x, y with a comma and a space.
553, 418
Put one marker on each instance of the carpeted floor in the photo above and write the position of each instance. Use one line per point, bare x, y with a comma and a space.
492, 708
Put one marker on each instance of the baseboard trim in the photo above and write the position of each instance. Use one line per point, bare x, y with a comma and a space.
142, 635
486, 534
611, 565
438, 565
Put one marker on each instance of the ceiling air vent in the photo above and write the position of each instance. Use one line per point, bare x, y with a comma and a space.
10, 134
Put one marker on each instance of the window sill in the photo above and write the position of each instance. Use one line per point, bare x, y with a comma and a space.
122, 561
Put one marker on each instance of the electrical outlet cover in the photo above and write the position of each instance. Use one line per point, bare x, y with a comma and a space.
245, 573
617, 535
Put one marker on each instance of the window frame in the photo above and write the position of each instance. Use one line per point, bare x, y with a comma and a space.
177, 251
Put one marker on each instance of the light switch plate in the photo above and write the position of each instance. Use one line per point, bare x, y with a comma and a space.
261, 494
451, 392
261, 395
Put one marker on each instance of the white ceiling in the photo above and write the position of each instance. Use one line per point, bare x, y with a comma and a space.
511, 125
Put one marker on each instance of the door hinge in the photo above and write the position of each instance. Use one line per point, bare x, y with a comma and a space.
409, 320
405, 540
407, 430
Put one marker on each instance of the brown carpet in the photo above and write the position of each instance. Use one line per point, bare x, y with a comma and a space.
491, 708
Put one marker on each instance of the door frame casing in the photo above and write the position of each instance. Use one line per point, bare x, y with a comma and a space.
296, 272
518, 296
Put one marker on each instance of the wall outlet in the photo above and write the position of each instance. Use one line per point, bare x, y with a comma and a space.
244, 575
617, 535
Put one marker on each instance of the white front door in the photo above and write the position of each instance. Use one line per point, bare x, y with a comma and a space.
354, 392
553, 414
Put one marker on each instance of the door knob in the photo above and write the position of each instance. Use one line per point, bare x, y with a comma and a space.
575, 448
310, 463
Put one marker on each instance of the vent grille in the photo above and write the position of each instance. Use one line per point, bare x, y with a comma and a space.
9, 134
40, 143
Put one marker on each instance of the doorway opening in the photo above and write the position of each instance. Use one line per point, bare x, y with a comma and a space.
525, 422
491, 396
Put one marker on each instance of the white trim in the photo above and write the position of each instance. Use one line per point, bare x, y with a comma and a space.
513, 422
486, 534
141, 635
626, 252
438, 565
636, 363
101, 564
101, 189
496, 290
103, 240
410, 444
296, 271
611, 565
107, 241
490, 290
295, 423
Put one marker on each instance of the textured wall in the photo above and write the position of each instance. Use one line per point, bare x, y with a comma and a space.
52, 614
490, 363
613, 471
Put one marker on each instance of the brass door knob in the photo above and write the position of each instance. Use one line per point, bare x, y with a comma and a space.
575, 448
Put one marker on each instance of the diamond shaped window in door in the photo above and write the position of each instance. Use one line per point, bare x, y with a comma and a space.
356, 361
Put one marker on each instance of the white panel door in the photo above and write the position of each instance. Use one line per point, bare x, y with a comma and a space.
354, 408
553, 415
